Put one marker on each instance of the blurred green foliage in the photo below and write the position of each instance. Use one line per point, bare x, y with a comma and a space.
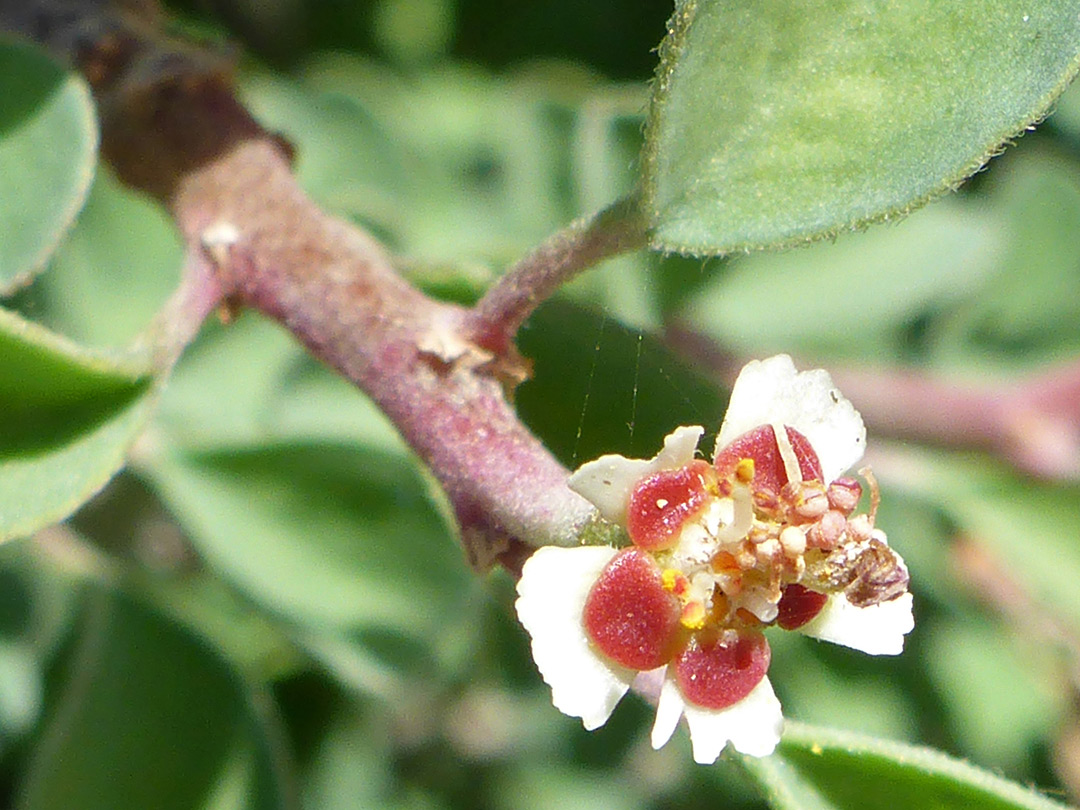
268, 608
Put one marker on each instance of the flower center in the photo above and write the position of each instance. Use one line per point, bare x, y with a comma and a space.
720, 550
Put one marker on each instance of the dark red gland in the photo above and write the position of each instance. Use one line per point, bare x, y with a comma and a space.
759, 444
628, 614
716, 675
798, 605
661, 503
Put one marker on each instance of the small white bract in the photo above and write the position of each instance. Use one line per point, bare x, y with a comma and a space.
766, 535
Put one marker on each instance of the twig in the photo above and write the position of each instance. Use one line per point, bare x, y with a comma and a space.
1033, 422
495, 320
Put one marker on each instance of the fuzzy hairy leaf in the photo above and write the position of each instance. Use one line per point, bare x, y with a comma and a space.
824, 769
775, 123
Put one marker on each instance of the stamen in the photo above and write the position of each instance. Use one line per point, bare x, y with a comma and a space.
844, 494
793, 541
787, 453
693, 616
744, 470
803, 501
875, 492
675, 581
827, 532
724, 561
768, 551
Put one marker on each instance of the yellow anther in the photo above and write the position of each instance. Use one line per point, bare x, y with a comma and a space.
693, 616
667, 579
674, 581
744, 470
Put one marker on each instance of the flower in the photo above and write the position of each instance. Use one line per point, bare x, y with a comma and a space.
766, 535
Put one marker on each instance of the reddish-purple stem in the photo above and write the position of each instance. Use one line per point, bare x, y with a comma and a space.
1033, 421
496, 318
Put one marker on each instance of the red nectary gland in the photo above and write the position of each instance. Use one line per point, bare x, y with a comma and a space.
662, 502
759, 444
798, 605
628, 614
714, 676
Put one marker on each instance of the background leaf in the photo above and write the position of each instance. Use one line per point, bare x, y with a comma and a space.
601, 387
1007, 514
295, 489
48, 148
853, 296
150, 717
69, 418
275, 528
123, 257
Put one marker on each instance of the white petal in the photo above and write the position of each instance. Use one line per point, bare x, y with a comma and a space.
669, 710
554, 584
679, 447
753, 725
878, 629
608, 481
771, 390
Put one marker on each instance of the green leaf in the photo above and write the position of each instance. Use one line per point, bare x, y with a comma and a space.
122, 257
148, 717
1029, 307
538, 786
824, 769
1003, 694
775, 123
69, 417
295, 487
227, 383
847, 297
1030, 526
48, 148
486, 166
344, 157
324, 534
35, 617
822, 683
352, 764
